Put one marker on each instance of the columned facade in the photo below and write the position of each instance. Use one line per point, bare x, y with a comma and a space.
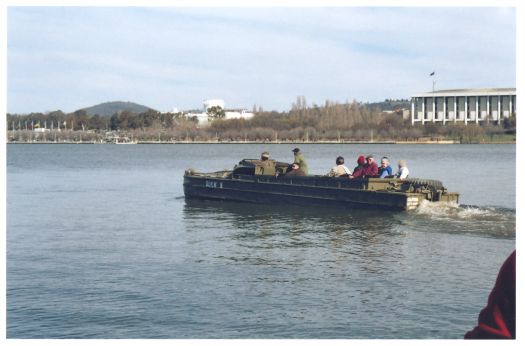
464, 105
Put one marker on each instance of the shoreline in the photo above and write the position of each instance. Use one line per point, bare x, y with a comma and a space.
441, 142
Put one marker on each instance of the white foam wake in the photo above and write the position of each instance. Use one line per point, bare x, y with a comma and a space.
451, 217
449, 210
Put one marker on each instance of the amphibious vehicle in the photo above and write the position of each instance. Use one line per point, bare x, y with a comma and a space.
251, 181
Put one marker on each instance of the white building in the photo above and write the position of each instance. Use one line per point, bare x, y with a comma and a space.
238, 114
204, 119
464, 105
212, 103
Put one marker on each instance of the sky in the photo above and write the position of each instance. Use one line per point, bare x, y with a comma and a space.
67, 58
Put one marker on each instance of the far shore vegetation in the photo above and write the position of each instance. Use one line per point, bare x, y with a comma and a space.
330, 122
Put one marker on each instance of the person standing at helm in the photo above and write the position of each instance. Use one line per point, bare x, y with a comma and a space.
299, 159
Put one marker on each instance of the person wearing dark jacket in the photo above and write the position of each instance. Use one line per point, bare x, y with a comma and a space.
498, 319
296, 171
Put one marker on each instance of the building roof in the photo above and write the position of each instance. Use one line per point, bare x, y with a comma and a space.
468, 92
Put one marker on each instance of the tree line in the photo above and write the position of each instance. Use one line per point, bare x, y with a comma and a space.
331, 121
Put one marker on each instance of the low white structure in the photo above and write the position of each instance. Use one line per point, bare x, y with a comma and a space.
212, 103
238, 114
204, 119
464, 105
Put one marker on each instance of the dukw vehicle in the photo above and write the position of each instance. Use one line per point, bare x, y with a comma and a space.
250, 181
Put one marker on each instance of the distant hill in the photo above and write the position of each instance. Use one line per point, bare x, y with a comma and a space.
110, 108
389, 104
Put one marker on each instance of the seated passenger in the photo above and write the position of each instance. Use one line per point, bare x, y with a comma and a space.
267, 165
296, 171
402, 172
359, 169
385, 170
340, 169
360, 164
372, 169
369, 170
265, 158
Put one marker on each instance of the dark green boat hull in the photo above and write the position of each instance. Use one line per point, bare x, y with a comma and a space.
309, 190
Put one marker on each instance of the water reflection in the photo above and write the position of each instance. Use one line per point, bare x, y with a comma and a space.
290, 219
249, 212
293, 236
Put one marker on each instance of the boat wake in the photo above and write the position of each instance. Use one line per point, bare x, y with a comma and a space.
456, 211
487, 220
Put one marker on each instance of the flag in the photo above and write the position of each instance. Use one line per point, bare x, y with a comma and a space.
432, 74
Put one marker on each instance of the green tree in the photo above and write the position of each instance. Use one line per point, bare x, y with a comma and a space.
216, 112
98, 123
114, 122
510, 122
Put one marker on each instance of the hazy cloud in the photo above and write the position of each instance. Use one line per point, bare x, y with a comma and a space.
70, 57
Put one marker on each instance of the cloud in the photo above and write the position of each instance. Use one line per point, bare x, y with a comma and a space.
176, 57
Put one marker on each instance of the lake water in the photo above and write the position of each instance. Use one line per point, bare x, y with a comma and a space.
102, 244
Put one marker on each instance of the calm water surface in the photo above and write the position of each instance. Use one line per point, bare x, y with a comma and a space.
102, 244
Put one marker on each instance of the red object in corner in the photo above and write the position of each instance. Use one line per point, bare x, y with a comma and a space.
498, 319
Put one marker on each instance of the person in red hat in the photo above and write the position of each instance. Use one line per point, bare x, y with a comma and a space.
368, 169
361, 161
